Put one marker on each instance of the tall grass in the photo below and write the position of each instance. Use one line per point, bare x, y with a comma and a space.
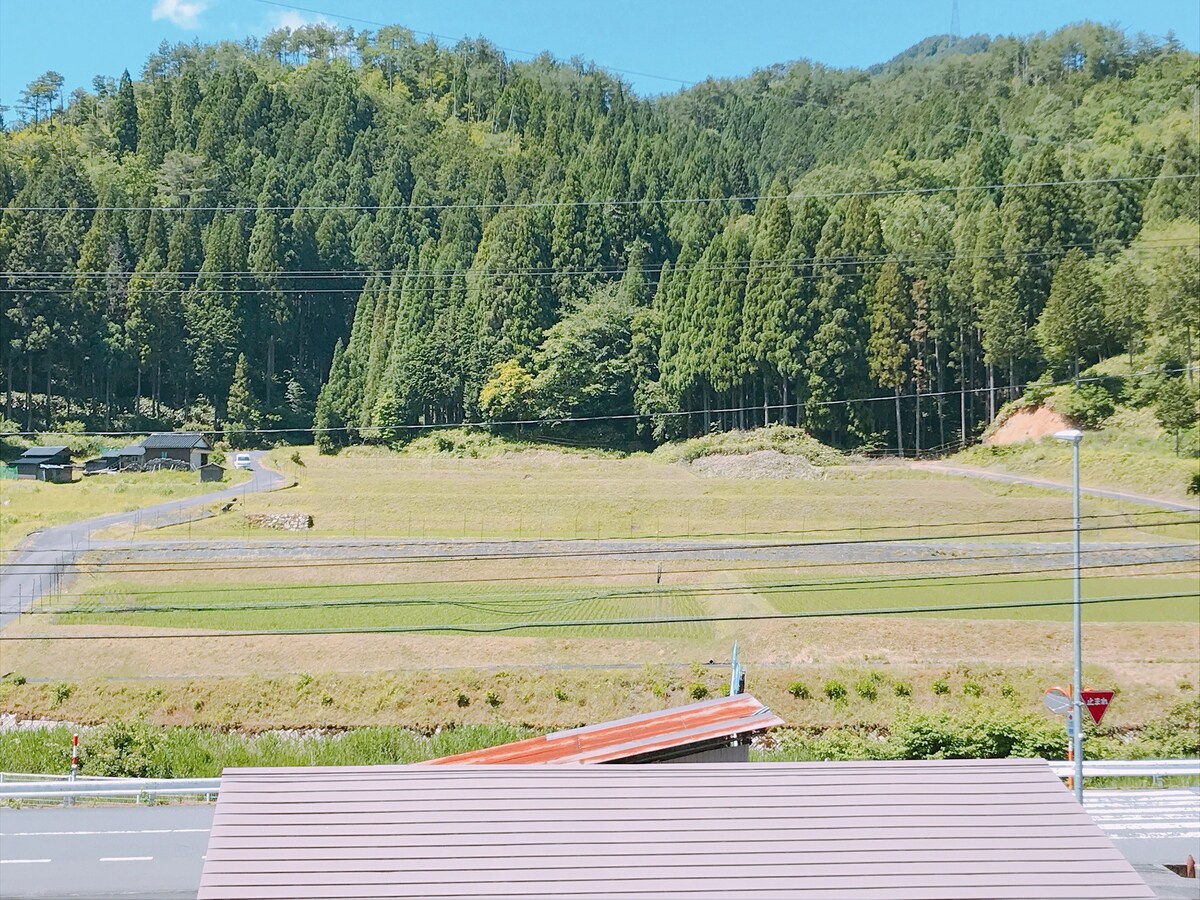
201, 753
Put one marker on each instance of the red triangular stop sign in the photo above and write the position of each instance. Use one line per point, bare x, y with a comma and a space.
1096, 703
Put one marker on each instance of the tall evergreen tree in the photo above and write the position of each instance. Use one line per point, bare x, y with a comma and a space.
125, 117
1071, 327
888, 348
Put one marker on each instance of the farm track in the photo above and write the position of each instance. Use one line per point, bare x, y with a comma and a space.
1006, 478
47, 556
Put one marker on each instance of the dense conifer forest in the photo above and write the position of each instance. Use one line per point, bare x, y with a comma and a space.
364, 231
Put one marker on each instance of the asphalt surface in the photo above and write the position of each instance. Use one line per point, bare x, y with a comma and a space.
142, 852
46, 555
966, 472
102, 852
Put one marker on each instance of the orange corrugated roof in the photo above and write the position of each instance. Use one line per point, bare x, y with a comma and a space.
636, 736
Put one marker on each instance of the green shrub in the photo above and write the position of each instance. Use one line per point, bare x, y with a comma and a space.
327, 700
799, 690
835, 690
126, 750
303, 681
462, 700
941, 686
492, 699
61, 692
973, 689
16, 679
1087, 407
561, 695
1037, 392
698, 691
903, 689
992, 734
1177, 733
1007, 690
865, 688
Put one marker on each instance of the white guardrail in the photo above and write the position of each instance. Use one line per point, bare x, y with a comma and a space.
17, 786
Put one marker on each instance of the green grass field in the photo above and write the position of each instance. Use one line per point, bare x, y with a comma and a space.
547, 610
459, 607
27, 506
369, 492
894, 594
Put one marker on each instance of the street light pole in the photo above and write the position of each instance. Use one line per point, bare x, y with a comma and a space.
1074, 436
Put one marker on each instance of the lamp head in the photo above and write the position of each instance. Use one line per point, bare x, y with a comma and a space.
1071, 435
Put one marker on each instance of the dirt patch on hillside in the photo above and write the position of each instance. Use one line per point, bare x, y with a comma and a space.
1027, 425
759, 464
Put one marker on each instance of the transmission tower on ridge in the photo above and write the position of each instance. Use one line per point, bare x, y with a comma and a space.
954, 35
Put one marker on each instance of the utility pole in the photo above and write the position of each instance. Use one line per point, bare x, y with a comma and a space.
1074, 436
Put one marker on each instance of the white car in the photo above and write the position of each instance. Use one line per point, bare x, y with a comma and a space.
241, 461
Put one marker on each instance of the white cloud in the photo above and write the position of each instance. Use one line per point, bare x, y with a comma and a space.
293, 20
182, 13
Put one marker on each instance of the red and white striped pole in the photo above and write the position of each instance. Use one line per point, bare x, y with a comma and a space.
74, 755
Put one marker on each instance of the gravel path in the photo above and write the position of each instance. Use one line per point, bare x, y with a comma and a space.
986, 475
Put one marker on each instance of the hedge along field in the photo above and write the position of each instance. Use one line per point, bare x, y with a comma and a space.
539, 493
902, 593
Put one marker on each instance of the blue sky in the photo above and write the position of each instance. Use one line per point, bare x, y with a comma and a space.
681, 40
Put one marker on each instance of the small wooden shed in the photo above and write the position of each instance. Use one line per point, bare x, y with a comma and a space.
29, 464
212, 472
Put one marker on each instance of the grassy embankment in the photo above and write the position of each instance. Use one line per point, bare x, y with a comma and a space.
1127, 451
850, 714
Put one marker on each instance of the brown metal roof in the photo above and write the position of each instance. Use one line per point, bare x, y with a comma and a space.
637, 738
868, 831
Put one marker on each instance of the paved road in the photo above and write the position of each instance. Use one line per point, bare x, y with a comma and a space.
47, 553
159, 851
103, 852
1151, 826
967, 472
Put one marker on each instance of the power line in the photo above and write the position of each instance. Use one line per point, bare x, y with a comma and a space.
665, 201
643, 573
127, 567
406, 274
618, 417
505, 605
194, 547
594, 623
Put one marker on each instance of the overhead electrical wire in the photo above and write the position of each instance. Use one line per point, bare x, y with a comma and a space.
123, 566
495, 628
642, 573
220, 544
661, 201
656, 592
616, 417
763, 262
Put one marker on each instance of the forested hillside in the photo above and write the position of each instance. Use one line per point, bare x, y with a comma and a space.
375, 232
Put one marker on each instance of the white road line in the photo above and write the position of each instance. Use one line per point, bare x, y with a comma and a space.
4, 834
126, 858
4, 862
